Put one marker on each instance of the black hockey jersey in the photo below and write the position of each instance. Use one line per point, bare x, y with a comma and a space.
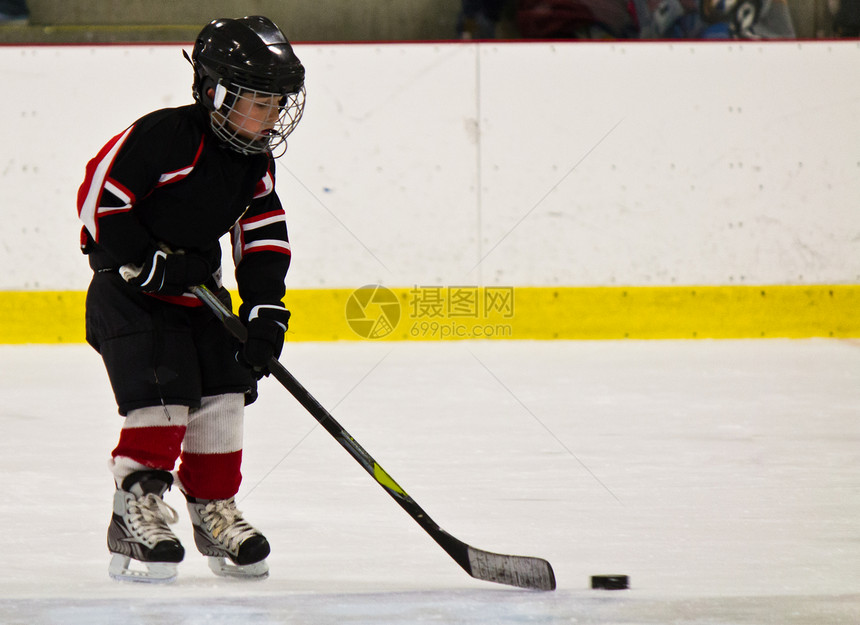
167, 180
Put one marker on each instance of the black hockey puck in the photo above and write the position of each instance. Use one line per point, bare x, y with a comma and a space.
610, 582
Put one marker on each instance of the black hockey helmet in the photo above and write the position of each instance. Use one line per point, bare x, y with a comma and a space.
247, 57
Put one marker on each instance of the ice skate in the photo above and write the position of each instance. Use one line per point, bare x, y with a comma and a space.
234, 547
139, 530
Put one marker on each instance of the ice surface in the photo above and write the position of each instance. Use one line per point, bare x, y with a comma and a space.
723, 477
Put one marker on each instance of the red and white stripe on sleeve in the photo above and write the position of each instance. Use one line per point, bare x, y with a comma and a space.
261, 231
99, 195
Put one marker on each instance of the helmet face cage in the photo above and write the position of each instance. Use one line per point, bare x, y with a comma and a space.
251, 121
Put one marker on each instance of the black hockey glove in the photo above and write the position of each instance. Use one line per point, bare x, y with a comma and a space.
168, 273
267, 324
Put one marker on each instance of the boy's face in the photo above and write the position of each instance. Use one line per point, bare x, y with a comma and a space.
254, 122
253, 116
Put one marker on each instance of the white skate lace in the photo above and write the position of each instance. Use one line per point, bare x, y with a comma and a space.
149, 516
225, 523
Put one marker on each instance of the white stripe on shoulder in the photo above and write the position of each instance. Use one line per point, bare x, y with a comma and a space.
89, 208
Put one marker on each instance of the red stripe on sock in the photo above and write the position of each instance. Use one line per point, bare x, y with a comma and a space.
156, 447
211, 476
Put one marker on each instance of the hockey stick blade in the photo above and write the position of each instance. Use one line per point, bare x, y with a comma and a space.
519, 571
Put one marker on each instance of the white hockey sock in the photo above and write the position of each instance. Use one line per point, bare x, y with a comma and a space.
212, 448
216, 427
150, 439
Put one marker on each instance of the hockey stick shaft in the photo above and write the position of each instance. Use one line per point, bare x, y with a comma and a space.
521, 571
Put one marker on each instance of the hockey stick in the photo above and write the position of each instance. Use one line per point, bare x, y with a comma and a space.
521, 571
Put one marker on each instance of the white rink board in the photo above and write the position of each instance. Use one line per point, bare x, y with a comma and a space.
520, 163
672, 164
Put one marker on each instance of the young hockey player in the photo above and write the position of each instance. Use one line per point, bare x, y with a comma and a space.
155, 202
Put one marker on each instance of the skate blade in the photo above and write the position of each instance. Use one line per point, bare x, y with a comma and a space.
222, 568
154, 573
